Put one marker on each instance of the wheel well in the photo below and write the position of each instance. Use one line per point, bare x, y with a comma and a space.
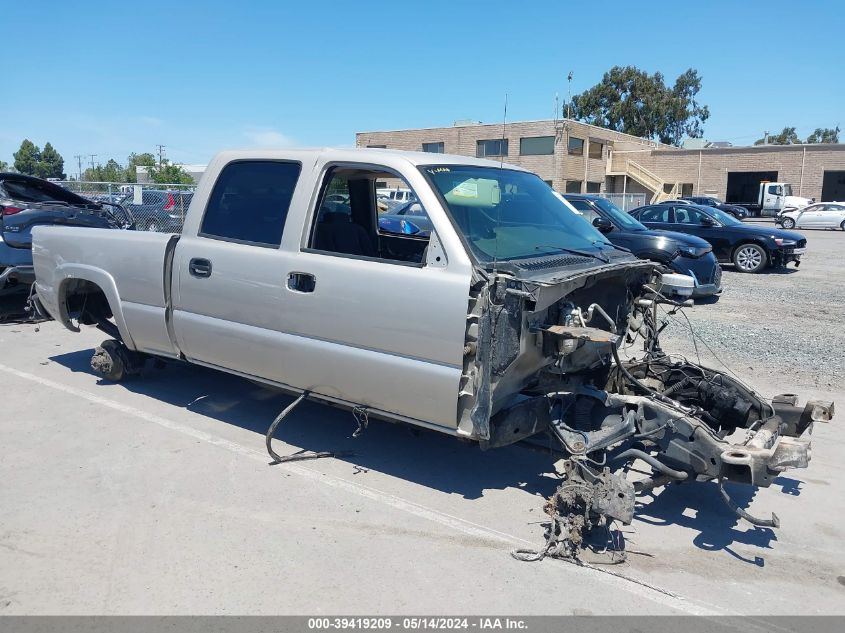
86, 302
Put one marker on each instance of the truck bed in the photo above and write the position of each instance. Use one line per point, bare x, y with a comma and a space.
135, 264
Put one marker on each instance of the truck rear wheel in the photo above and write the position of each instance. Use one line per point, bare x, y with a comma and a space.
113, 361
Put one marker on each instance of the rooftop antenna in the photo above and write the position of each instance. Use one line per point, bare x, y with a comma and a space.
499, 206
569, 103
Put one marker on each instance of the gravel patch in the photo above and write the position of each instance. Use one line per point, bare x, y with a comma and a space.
788, 323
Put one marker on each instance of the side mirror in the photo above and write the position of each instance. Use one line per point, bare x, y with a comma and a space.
706, 220
603, 225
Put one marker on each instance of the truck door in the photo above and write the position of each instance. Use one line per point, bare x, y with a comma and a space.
772, 197
229, 274
381, 315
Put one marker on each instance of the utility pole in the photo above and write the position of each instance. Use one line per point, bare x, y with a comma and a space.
78, 158
160, 154
569, 103
93, 156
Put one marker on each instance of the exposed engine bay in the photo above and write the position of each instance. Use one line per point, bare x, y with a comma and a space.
544, 356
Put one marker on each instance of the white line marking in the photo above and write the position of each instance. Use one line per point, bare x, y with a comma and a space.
447, 520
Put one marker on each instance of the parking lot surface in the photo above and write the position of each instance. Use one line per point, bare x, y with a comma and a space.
155, 496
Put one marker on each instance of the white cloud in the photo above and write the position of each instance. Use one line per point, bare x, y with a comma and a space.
267, 137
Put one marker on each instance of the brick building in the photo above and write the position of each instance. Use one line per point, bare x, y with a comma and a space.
574, 157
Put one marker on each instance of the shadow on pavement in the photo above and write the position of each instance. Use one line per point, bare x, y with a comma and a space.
428, 458
699, 507
13, 304
772, 270
425, 457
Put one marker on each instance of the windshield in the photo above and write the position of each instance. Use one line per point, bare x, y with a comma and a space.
725, 218
618, 216
506, 214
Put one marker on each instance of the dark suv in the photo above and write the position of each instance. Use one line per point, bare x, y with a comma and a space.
27, 202
160, 210
681, 253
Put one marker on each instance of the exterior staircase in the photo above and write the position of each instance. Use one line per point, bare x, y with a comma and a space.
647, 179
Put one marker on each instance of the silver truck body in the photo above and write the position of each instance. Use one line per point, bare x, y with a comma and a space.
490, 351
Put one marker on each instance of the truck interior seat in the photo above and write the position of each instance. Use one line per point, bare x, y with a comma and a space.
337, 233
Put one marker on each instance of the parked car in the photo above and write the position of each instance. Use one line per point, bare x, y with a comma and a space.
751, 248
823, 215
740, 213
160, 210
503, 323
409, 218
26, 202
399, 195
685, 254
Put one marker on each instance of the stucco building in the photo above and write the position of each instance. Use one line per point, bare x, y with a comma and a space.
575, 157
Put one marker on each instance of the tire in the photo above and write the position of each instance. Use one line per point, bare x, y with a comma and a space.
109, 361
152, 226
750, 258
788, 223
842, 226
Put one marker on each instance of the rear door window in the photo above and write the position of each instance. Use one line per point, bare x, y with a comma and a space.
250, 202
655, 214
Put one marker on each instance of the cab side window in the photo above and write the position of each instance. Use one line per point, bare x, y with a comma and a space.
352, 221
250, 202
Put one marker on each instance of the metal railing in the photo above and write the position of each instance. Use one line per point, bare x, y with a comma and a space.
625, 201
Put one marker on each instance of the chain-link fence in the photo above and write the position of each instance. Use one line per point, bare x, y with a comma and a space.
155, 207
625, 201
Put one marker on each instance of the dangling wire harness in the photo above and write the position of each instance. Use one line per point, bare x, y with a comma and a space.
303, 454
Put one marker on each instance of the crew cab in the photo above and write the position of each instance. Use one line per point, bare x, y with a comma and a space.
501, 323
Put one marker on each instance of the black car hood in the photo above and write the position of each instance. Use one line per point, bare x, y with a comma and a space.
680, 238
765, 231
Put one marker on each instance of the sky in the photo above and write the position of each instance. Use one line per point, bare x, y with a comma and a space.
198, 77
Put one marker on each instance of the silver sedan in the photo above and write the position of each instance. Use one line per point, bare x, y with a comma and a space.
823, 215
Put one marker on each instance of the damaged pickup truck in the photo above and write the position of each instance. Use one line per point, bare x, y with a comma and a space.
506, 321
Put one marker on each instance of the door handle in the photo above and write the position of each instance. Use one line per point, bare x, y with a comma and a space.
199, 267
302, 282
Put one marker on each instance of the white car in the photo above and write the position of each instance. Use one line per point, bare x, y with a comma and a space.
822, 215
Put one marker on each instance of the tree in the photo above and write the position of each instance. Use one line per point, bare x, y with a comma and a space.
630, 100
112, 171
170, 174
27, 157
786, 137
51, 165
137, 160
4, 166
824, 135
